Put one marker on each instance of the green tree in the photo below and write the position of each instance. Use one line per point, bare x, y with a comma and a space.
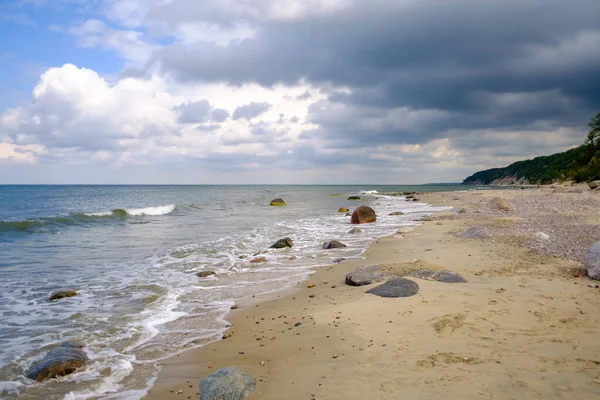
593, 136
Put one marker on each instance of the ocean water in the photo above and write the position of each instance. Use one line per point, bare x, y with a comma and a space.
132, 253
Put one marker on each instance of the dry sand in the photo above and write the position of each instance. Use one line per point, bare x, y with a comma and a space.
525, 326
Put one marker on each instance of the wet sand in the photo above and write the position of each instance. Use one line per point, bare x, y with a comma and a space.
523, 327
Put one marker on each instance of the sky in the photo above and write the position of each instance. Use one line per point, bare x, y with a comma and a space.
290, 91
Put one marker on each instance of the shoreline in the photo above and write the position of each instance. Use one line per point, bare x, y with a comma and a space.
354, 345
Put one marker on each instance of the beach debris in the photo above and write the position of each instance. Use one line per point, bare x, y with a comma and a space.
282, 243
62, 294
343, 210
333, 244
500, 204
541, 236
278, 202
396, 213
397, 287
366, 275
228, 383
474, 232
60, 361
258, 260
405, 229
204, 274
592, 261
363, 215
354, 231
354, 198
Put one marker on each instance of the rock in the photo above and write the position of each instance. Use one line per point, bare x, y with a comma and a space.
366, 275
405, 229
474, 232
338, 260
258, 260
552, 210
448, 277
354, 198
343, 210
204, 274
594, 185
410, 196
347, 215
500, 204
363, 215
60, 361
63, 294
397, 213
227, 384
592, 261
354, 231
415, 199
278, 202
462, 211
541, 236
333, 244
281, 243
397, 287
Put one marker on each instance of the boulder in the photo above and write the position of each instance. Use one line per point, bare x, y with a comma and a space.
405, 229
333, 244
594, 185
366, 275
474, 232
500, 204
258, 260
62, 294
281, 243
397, 213
415, 199
343, 209
592, 261
60, 361
363, 215
541, 236
278, 202
227, 384
204, 274
354, 231
439, 276
354, 198
347, 215
397, 287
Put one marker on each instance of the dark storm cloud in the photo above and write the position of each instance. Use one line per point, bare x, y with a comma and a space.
466, 64
250, 110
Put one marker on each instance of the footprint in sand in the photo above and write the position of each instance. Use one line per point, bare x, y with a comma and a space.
447, 324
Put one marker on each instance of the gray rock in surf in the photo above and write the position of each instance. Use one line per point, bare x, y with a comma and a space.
281, 243
60, 361
366, 275
227, 384
333, 244
592, 261
474, 232
398, 287
354, 231
62, 294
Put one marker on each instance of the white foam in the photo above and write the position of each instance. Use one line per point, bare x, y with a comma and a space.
110, 384
152, 211
369, 192
99, 214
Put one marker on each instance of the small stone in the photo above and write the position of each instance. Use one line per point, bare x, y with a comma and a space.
311, 286
234, 307
311, 296
298, 324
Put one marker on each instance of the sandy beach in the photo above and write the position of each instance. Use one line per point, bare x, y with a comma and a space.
524, 326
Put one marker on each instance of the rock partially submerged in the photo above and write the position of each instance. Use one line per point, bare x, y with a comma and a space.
333, 244
282, 243
227, 384
474, 232
354, 198
592, 261
396, 213
204, 274
60, 361
354, 231
363, 215
62, 294
258, 260
343, 210
367, 275
394, 288
278, 202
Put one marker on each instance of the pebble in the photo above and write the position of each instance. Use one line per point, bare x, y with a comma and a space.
311, 296
298, 324
311, 286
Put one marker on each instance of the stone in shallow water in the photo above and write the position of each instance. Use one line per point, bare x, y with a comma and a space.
354, 231
278, 202
398, 287
281, 243
63, 294
227, 384
333, 244
60, 361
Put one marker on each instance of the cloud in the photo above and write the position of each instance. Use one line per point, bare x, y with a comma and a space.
250, 110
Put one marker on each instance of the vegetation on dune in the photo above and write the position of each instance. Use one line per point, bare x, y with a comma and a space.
579, 164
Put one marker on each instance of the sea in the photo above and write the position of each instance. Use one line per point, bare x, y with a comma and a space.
132, 254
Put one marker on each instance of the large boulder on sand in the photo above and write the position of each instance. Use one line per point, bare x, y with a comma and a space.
227, 384
281, 243
60, 361
366, 275
592, 261
277, 202
398, 287
500, 204
363, 215
333, 244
